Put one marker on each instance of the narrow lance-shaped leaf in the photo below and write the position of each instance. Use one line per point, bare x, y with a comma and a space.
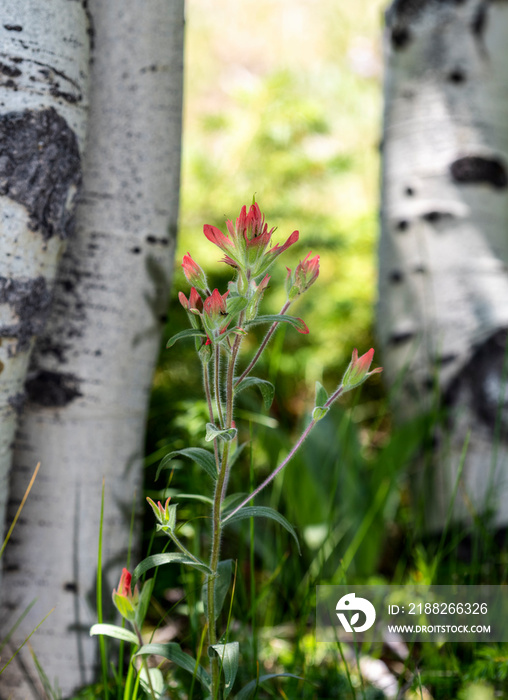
115, 632
247, 692
153, 687
187, 333
229, 657
196, 497
203, 458
236, 454
263, 512
173, 652
232, 500
222, 582
280, 318
266, 388
144, 601
168, 558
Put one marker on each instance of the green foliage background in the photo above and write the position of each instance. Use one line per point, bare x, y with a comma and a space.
282, 101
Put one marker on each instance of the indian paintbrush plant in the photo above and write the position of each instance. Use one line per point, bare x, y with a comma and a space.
219, 323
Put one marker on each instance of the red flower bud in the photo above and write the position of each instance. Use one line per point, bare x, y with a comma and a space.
246, 247
306, 273
193, 303
358, 370
124, 598
193, 272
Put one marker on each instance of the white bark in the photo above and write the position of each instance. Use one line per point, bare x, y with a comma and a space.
443, 310
44, 56
91, 374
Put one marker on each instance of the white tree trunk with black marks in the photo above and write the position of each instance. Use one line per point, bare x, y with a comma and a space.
44, 64
91, 372
443, 281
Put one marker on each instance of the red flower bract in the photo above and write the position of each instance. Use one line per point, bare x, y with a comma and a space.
215, 305
193, 272
216, 236
246, 247
194, 302
124, 587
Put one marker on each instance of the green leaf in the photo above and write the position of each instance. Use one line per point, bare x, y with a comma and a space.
156, 682
196, 497
203, 458
144, 601
235, 304
232, 500
280, 318
172, 652
115, 632
229, 657
319, 412
263, 512
188, 333
169, 558
212, 433
247, 692
266, 388
236, 454
222, 582
321, 395
320, 409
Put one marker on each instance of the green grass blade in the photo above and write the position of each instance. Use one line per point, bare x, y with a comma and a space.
16, 625
26, 640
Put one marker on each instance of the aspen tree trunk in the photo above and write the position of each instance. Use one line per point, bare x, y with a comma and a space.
443, 310
91, 374
44, 63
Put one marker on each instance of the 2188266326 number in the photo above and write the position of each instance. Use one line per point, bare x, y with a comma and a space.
447, 608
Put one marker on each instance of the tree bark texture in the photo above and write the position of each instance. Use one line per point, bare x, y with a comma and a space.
90, 377
44, 65
443, 276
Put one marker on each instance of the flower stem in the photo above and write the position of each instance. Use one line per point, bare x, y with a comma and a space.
219, 495
208, 393
181, 546
144, 662
263, 345
218, 400
289, 457
214, 565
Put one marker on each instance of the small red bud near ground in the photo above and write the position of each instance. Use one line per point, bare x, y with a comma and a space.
124, 599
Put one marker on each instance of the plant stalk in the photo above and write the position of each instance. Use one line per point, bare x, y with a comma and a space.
284, 462
263, 345
144, 661
219, 494
208, 393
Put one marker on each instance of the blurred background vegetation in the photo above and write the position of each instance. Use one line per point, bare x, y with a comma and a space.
283, 101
